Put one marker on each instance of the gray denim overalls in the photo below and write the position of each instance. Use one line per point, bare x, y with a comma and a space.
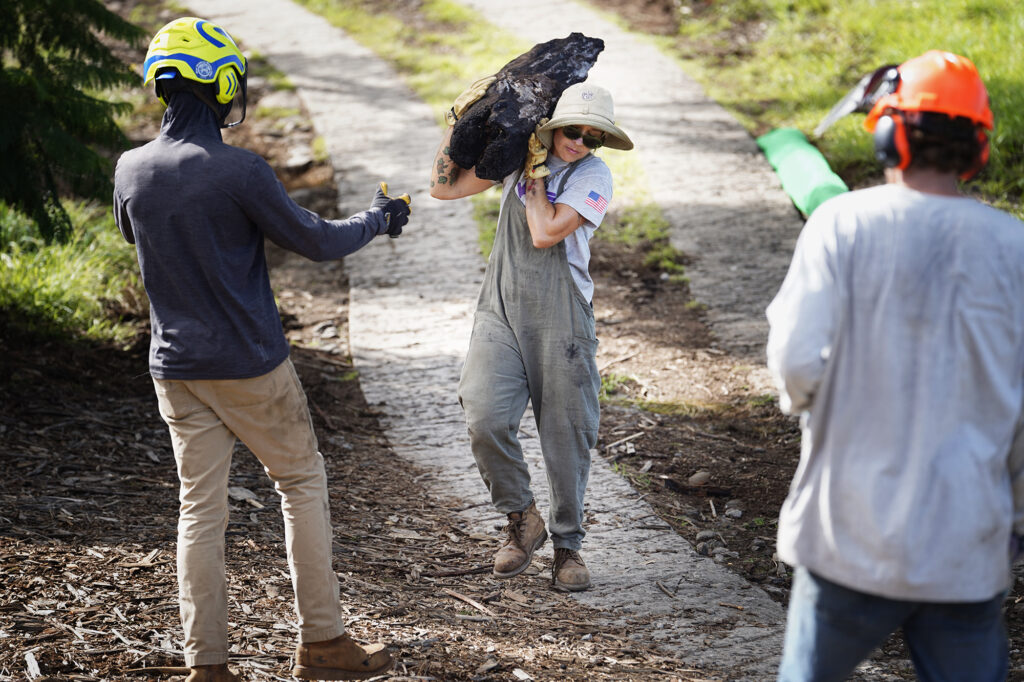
533, 339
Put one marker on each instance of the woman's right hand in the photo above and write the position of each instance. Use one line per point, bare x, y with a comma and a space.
468, 97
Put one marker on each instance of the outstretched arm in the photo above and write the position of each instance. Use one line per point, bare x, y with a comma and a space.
448, 180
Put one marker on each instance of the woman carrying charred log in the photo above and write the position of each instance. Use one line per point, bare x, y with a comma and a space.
534, 335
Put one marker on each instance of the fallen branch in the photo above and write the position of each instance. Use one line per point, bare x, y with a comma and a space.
323, 415
616, 361
469, 600
455, 572
624, 440
664, 589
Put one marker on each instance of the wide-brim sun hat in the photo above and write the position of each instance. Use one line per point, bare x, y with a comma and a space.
585, 104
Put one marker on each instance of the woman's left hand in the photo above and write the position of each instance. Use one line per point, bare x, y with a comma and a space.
536, 155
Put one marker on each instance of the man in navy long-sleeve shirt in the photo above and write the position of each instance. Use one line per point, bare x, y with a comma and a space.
198, 211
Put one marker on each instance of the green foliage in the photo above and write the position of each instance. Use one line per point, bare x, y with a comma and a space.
319, 149
54, 64
787, 62
686, 408
277, 112
611, 383
79, 286
643, 225
486, 207
259, 67
757, 523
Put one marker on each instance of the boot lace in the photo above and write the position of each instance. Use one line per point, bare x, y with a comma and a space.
514, 529
563, 555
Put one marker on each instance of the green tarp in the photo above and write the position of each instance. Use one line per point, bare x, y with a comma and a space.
805, 174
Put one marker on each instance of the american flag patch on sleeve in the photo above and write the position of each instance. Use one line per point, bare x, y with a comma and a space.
596, 202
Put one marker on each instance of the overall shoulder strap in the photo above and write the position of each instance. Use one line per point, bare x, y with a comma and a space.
565, 175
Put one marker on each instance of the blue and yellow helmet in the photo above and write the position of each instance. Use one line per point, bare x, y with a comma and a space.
199, 51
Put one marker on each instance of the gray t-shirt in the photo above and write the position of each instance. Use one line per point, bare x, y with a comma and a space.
588, 191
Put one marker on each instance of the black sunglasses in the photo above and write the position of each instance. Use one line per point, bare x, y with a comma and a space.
590, 141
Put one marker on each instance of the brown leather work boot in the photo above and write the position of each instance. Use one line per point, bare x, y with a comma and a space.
212, 673
526, 534
340, 658
569, 572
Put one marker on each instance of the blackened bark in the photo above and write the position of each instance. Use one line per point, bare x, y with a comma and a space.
493, 133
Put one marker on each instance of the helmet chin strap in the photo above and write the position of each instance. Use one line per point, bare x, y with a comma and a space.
243, 89
220, 110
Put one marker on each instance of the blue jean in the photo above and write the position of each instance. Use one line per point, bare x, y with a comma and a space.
830, 629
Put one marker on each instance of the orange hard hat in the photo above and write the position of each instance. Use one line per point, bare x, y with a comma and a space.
940, 82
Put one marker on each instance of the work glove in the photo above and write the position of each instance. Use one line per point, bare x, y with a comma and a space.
466, 99
536, 155
396, 209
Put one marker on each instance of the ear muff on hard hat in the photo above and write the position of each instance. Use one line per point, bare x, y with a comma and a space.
983, 155
892, 138
935, 83
892, 149
199, 51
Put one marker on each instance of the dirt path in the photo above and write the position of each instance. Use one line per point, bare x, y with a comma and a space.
410, 314
414, 533
87, 506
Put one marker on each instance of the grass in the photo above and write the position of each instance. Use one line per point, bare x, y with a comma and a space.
486, 206
610, 385
259, 67
785, 63
319, 149
90, 286
449, 47
686, 408
72, 288
277, 112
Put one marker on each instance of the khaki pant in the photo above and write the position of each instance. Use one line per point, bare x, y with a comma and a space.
271, 416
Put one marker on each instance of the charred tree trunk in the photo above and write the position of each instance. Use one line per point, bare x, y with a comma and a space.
493, 133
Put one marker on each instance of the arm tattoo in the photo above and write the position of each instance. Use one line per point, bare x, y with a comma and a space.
447, 172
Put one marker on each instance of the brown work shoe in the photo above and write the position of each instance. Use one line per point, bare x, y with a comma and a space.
340, 658
212, 673
526, 534
569, 572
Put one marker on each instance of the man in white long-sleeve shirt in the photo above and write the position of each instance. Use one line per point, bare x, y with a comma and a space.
898, 336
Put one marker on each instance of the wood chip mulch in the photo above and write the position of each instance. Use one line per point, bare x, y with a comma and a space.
88, 507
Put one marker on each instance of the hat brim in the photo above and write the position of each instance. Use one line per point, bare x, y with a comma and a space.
616, 139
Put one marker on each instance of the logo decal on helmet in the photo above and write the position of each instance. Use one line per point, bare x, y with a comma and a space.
204, 69
587, 95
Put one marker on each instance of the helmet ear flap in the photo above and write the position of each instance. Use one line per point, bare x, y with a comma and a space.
227, 85
892, 148
983, 151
